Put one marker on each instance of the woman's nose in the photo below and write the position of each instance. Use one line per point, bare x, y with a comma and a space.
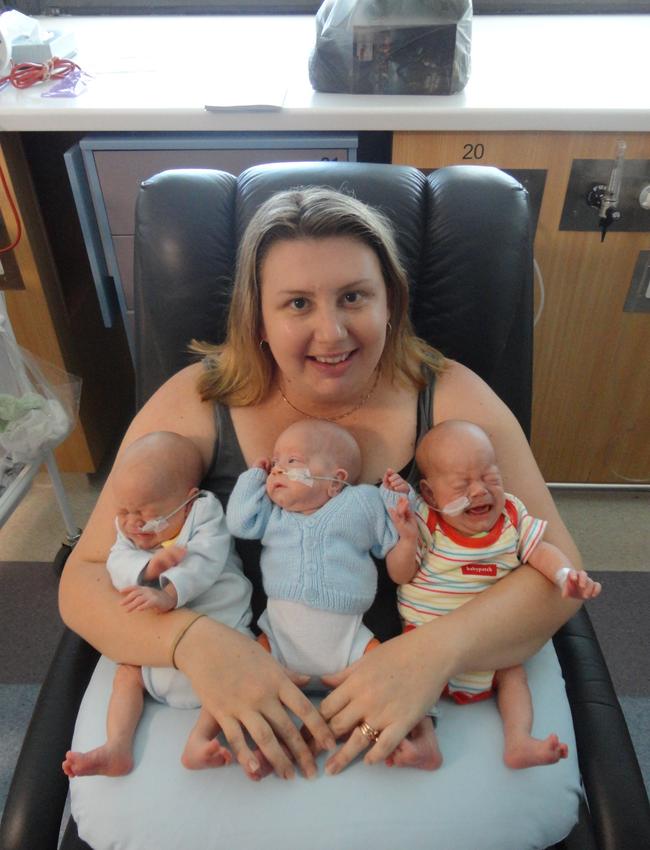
329, 325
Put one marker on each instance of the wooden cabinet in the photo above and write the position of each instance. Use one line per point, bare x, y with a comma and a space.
591, 404
59, 325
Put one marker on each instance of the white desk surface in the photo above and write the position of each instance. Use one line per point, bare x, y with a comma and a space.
572, 73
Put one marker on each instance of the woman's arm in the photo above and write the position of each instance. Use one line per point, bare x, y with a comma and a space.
392, 687
209, 652
87, 600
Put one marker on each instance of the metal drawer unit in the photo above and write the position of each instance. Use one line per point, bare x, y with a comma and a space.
106, 171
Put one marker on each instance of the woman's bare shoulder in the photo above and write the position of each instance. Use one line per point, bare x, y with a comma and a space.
177, 406
462, 394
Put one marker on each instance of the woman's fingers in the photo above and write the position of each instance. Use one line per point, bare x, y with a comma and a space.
277, 736
291, 737
311, 718
337, 699
355, 744
269, 747
379, 746
261, 731
249, 762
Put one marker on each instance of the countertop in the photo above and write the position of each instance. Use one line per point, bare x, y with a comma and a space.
565, 73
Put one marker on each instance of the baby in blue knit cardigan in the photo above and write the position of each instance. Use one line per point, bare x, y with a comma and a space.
318, 530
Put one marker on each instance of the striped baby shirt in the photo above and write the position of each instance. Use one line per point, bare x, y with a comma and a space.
453, 568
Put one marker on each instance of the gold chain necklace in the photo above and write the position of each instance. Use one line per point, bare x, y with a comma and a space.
341, 415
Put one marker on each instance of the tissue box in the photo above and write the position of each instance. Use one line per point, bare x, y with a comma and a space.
57, 44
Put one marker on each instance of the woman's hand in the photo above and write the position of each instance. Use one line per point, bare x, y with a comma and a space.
247, 691
390, 689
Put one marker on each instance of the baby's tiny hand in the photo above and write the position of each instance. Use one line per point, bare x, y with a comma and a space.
263, 463
164, 559
143, 598
404, 519
393, 481
579, 585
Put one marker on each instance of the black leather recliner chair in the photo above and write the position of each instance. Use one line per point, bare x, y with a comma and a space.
465, 239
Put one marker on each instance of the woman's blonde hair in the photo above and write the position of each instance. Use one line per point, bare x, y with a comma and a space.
240, 370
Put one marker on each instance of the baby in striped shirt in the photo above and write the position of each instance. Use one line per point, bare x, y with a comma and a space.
471, 534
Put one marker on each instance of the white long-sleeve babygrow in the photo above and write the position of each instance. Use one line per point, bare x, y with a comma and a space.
209, 580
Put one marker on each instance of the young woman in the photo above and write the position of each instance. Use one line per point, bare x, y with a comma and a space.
319, 328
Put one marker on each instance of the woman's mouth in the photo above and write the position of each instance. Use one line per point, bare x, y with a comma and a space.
330, 359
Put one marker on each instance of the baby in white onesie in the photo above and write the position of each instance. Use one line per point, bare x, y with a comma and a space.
173, 549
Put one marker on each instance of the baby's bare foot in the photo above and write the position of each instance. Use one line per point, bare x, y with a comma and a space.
199, 755
420, 749
103, 761
531, 752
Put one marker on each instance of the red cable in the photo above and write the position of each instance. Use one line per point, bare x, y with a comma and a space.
22, 76
19, 227
27, 74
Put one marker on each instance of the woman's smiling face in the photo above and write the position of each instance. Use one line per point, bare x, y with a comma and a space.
324, 317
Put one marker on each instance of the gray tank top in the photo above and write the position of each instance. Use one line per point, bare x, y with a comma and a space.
228, 463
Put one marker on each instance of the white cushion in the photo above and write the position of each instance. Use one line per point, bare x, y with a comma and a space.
473, 801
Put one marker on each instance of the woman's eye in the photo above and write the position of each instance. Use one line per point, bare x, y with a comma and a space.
352, 297
299, 303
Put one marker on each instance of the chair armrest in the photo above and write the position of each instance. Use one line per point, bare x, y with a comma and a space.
36, 799
616, 795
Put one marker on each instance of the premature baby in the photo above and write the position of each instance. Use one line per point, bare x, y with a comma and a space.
472, 534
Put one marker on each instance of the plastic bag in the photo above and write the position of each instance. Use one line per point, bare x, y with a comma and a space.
39, 403
392, 46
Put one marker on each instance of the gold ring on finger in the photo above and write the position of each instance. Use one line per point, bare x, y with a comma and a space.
368, 732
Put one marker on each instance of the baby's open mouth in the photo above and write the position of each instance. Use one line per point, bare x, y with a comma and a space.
480, 510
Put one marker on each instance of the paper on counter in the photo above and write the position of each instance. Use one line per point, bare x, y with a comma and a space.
259, 98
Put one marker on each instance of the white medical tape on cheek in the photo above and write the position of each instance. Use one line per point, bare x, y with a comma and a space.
305, 477
155, 525
456, 507
302, 475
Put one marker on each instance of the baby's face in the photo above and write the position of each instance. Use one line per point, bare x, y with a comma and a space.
138, 503
471, 474
306, 496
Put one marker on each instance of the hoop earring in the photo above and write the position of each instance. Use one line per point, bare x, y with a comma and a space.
261, 344
389, 327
